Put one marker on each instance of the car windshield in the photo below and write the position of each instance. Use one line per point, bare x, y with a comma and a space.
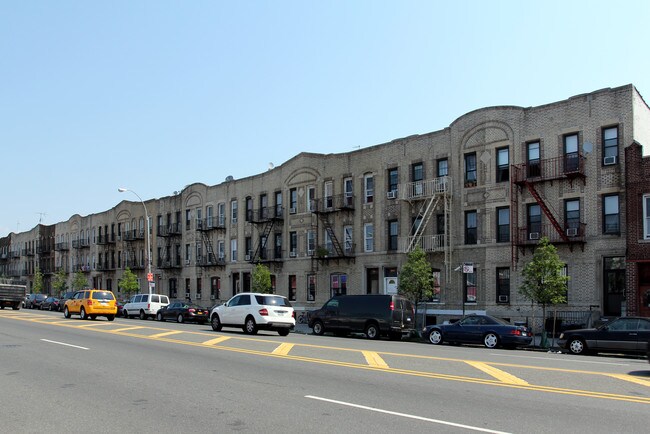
103, 295
272, 300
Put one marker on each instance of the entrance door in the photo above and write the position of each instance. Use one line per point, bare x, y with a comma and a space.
372, 281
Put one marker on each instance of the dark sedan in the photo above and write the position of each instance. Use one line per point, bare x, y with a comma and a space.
624, 335
50, 303
182, 311
479, 329
34, 301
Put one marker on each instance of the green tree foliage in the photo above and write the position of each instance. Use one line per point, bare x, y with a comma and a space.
543, 282
262, 279
37, 286
129, 283
60, 282
415, 279
79, 281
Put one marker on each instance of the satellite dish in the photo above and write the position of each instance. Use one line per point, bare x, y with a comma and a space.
587, 147
271, 166
229, 178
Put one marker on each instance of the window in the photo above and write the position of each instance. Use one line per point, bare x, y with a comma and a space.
199, 287
249, 209
311, 287
293, 200
533, 162
188, 253
392, 234
187, 287
209, 216
469, 287
610, 145
348, 191
440, 224
503, 225
534, 221
199, 218
470, 170
338, 284
503, 164
503, 285
571, 157
393, 179
215, 288
417, 175
328, 191
436, 285
292, 287
221, 250
415, 224
311, 242
188, 219
277, 253
470, 227
233, 211
278, 204
369, 188
293, 244
347, 239
572, 216
311, 199
233, 250
646, 217
443, 167
611, 224
221, 214
368, 237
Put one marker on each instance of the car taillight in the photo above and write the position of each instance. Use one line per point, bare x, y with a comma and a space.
392, 305
264, 312
515, 332
148, 306
191, 310
90, 302
293, 314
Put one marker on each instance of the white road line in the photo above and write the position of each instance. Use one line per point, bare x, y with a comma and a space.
67, 345
410, 416
560, 360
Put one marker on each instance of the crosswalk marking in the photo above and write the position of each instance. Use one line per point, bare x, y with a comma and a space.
496, 373
283, 349
216, 340
373, 359
160, 335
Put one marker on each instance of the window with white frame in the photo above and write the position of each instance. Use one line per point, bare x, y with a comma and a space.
368, 237
233, 250
311, 199
369, 188
611, 218
311, 242
221, 214
347, 239
233, 211
646, 217
610, 145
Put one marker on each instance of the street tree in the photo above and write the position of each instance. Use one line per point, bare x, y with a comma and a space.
60, 282
37, 286
129, 283
416, 280
79, 281
543, 282
262, 279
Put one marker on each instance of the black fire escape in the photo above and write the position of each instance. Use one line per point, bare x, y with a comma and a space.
327, 209
169, 259
266, 219
205, 228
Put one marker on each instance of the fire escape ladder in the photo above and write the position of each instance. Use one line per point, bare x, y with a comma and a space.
431, 204
209, 250
547, 211
330, 231
264, 239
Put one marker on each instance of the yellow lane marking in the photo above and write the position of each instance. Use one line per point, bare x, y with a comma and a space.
631, 379
127, 328
496, 373
92, 324
160, 335
374, 359
283, 349
216, 340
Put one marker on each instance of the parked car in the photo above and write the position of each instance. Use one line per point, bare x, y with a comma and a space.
35, 300
183, 311
50, 303
623, 335
374, 315
120, 306
253, 312
91, 303
479, 329
144, 305
67, 296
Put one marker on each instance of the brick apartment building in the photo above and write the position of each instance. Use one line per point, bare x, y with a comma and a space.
480, 192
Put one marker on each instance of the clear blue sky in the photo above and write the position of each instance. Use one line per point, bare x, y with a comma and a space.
156, 95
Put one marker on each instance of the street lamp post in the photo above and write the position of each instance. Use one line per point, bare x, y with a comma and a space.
146, 213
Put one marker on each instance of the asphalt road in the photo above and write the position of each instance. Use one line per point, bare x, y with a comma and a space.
59, 375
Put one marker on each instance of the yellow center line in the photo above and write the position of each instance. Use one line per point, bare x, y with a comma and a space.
127, 328
160, 335
92, 324
216, 340
374, 359
283, 349
630, 378
496, 373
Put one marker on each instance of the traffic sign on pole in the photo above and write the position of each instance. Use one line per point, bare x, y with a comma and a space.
150, 277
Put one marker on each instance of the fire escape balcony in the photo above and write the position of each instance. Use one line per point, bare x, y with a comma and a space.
211, 260
428, 243
569, 166
265, 214
28, 252
527, 236
111, 239
211, 224
420, 190
62, 246
167, 264
338, 202
101, 239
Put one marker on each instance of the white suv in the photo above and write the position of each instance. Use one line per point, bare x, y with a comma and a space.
253, 312
144, 305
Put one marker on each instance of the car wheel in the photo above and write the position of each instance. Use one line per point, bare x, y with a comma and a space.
143, 316
372, 331
215, 322
50, 308
577, 346
491, 340
82, 313
250, 328
179, 318
159, 317
110, 317
283, 332
435, 337
125, 314
318, 328
66, 312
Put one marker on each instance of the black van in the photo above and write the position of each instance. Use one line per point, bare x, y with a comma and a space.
374, 315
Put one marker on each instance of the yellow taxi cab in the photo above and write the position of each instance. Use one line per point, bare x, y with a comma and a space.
91, 303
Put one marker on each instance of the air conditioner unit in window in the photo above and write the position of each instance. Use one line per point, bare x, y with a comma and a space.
608, 161
292, 210
310, 253
187, 295
391, 194
292, 254
247, 258
187, 262
572, 232
212, 297
533, 236
504, 299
